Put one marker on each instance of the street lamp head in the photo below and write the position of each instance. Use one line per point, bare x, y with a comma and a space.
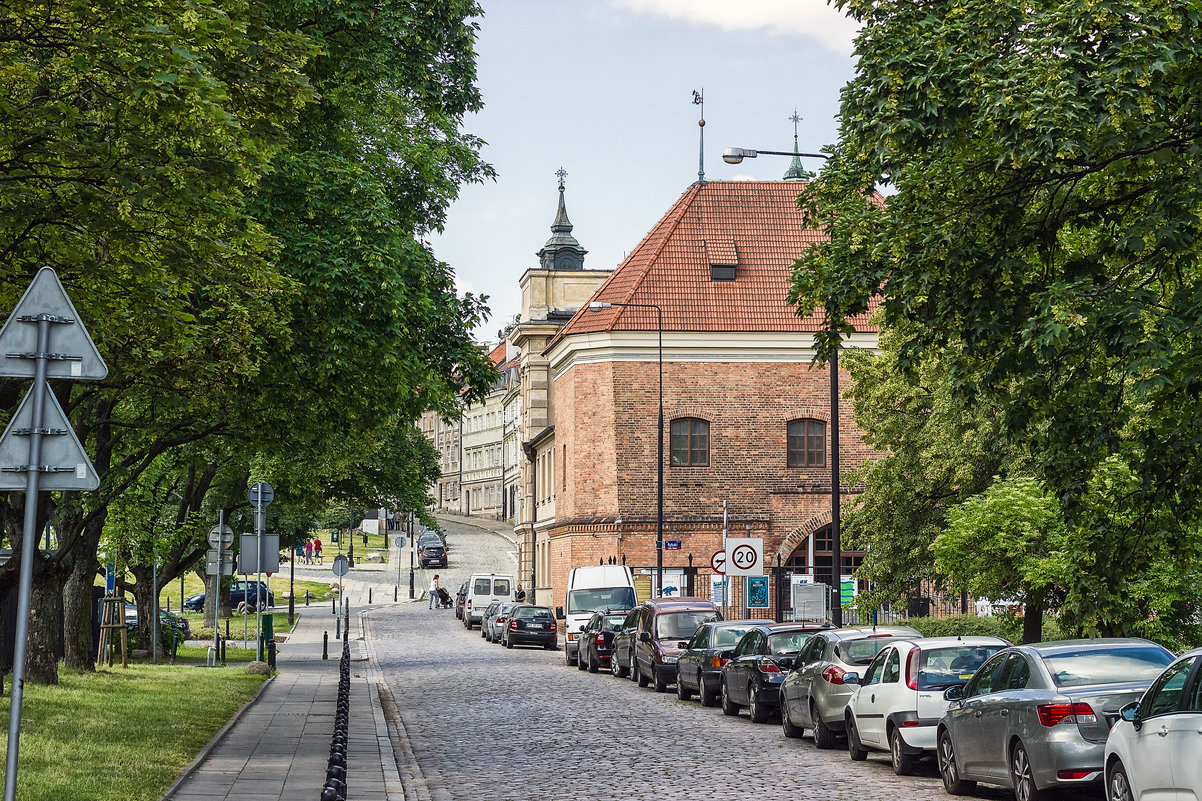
735, 155
597, 305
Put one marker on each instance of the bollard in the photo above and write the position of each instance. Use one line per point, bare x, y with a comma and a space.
271, 654
333, 607
306, 597
222, 646
325, 645
338, 629
369, 595
395, 589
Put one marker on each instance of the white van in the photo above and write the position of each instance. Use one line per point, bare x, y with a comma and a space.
482, 590
595, 588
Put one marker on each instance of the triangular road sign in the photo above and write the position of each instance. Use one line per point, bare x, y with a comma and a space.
59, 450
45, 295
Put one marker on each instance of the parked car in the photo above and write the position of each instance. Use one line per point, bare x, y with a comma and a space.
431, 551
530, 625
654, 634
495, 618
459, 598
596, 638
483, 589
899, 701
240, 592
757, 665
699, 667
813, 695
593, 588
1036, 716
168, 621
1153, 749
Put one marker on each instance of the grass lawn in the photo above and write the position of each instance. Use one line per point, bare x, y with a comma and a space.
121, 733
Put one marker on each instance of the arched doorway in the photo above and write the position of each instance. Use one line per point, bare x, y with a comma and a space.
811, 552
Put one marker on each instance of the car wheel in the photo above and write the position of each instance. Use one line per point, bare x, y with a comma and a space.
593, 665
509, 643
729, 707
824, 738
636, 670
855, 749
903, 763
580, 663
949, 772
484, 634
682, 692
704, 694
791, 731
657, 677
755, 707
571, 660
1021, 775
1118, 786
552, 646
616, 667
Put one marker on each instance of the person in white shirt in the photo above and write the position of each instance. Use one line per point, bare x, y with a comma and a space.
433, 590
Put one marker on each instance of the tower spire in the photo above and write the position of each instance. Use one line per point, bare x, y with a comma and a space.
699, 100
796, 172
562, 251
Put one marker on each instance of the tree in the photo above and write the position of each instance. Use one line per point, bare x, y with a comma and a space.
1043, 236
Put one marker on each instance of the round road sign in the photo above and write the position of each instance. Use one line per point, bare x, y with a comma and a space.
744, 557
718, 562
221, 537
340, 566
260, 494
399, 542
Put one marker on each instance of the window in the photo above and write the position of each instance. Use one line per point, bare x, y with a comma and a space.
1165, 694
690, 443
807, 443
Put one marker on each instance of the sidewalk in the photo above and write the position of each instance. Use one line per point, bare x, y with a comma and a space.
276, 748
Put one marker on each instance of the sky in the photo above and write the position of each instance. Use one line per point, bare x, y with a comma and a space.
604, 89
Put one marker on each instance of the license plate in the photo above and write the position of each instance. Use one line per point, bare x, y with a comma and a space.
535, 626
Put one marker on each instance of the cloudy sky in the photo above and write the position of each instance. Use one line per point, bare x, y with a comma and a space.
603, 88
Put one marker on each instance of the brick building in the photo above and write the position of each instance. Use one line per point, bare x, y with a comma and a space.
745, 414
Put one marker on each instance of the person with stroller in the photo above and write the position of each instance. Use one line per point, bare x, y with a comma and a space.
433, 590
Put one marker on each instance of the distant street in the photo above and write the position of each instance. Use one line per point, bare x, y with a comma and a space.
489, 723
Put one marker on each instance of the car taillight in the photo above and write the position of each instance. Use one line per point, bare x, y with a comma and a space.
1073, 774
769, 667
834, 674
718, 662
912, 669
553, 628
1051, 714
513, 625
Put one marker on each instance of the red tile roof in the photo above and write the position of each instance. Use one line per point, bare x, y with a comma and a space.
497, 354
753, 224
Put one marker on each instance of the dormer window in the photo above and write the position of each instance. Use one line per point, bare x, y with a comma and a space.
723, 259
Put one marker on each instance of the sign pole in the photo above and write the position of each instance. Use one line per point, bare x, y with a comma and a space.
259, 573
217, 581
28, 546
725, 550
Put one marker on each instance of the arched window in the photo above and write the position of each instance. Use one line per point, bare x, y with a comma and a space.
807, 443
690, 442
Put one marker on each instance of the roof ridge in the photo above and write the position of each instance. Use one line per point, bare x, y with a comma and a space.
694, 189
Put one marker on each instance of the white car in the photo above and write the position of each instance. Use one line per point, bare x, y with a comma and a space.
899, 700
1155, 747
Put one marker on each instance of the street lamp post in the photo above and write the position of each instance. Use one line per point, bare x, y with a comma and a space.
735, 155
659, 511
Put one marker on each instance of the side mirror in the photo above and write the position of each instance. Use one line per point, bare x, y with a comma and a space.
785, 662
559, 613
682, 645
1130, 713
954, 693
851, 678
644, 637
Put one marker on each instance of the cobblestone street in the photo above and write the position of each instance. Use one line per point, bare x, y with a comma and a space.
489, 723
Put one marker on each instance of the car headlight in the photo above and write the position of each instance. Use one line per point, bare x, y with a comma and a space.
669, 660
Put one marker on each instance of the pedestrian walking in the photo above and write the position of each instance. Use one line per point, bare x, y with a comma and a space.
317, 549
433, 590
309, 551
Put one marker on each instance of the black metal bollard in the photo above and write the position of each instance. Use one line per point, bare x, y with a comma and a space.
369, 595
338, 629
271, 654
395, 589
325, 645
333, 606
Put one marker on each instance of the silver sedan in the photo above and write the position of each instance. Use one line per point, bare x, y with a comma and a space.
1036, 716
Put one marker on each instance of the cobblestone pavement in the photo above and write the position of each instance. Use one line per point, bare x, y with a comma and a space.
482, 723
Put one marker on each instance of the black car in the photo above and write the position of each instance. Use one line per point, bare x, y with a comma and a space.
531, 625
699, 668
757, 666
431, 551
240, 592
179, 627
596, 640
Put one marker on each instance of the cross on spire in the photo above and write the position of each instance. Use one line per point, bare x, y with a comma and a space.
796, 119
562, 173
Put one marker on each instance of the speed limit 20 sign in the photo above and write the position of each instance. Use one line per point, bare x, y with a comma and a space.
745, 557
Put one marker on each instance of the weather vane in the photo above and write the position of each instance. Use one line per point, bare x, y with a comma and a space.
699, 100
562, 173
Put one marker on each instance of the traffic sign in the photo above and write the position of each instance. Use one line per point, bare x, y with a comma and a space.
62, 461
671, 545
340, 567
74, 354
221, 537
718, 561
398, 542
248, 561
260, 494
218, 560
746, 556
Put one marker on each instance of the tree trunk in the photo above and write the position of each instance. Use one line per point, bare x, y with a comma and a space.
143, 592
79, 649
45, 626
1033, 622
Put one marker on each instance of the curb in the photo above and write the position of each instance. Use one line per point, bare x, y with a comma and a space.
191, 767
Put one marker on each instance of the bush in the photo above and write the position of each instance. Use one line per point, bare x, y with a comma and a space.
1008, 627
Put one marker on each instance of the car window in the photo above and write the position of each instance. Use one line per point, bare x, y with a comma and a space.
598, 600
524, 612
1194, 702
813, 650
861, 651
747, 644
1107, 665
680, 625
987, 679
482, 586
873, 674
729, 636
1165, 693
613, 622
788, 642
500, 587
892, 671
631, 619
955, 664
701, 638
1017, 675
